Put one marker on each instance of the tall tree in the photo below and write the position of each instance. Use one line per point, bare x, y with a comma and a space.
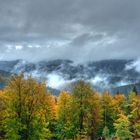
86, 109
94, 115
3, 113
50, 108
134, 114
108, 111
122, 127
65, 127
25, 106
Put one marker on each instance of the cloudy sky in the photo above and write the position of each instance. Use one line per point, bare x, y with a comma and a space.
80, 30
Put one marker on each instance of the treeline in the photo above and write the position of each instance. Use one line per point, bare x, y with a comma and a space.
28, 112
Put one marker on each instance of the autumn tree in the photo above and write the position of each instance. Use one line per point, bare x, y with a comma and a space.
3, 113
86, 109
108, 111
26, 107
119, 102
94, 115
134, 113
65, 127
122, 127
51, 113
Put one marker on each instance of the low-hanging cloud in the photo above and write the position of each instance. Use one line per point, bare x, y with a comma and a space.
134, 65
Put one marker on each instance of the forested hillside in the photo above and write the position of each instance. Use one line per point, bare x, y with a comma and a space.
28, 112
59, 74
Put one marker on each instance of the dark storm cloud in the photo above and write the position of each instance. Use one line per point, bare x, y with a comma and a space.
81, 30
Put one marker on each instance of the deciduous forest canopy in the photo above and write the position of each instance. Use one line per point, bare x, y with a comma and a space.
29, 112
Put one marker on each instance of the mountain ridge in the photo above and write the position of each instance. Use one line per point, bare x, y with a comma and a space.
59, 73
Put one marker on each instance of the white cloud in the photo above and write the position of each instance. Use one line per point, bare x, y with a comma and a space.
18, 47
55, 81
134, 65
100, 80
33, 46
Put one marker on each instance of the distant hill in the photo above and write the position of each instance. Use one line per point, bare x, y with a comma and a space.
126, 89
59, 74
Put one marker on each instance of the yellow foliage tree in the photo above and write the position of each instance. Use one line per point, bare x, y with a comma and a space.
27, 109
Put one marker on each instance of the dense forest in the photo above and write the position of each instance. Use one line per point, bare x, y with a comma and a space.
29, 112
